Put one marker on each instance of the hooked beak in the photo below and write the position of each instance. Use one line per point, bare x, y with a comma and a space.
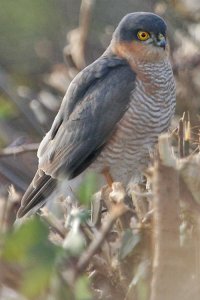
161, 43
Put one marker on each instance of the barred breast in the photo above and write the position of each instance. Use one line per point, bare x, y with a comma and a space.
152, 106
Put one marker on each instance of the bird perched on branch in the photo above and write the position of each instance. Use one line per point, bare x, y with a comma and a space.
112, 113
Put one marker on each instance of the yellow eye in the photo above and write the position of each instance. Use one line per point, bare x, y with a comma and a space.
143, 35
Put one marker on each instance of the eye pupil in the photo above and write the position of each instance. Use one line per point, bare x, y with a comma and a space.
143, 35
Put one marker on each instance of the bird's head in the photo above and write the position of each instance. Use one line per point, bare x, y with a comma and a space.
141, 36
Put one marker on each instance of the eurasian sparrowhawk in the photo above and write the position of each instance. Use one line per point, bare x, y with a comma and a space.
112, 113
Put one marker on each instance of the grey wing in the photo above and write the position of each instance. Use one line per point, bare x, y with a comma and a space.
95, 102
83, 126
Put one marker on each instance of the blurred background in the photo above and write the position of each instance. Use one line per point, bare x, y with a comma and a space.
44, 43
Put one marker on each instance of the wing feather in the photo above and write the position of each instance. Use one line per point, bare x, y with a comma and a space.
94, 103
84, 125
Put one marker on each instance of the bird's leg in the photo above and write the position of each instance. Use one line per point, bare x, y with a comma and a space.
107, 176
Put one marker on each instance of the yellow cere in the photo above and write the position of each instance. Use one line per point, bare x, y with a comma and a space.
161, 36
143, 35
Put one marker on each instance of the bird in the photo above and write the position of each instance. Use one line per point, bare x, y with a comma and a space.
112, 113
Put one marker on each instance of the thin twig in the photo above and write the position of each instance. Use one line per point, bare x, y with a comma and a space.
74, 52
117, 211
187, 136
53, 222
4, 215
180, 138
19, 149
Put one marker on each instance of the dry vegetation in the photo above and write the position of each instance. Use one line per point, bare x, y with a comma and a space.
144, 247
107, 245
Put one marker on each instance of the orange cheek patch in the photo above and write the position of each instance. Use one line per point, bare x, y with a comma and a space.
136, 51
127, 50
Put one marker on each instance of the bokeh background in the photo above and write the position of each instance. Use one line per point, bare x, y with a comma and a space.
43, 43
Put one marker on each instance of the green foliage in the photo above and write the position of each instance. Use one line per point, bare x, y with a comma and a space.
7, 109
82, 291
25, 27
142, 290
87, 188
28, 247
36, 281
31, 239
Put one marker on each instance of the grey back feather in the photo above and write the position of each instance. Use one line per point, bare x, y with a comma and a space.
94, 103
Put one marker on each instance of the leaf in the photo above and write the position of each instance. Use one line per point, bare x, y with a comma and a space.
129, 242
87, 188
29, 249
7, 109
82, 291
19, 242
36, 281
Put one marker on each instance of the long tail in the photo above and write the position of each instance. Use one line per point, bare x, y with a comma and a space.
36, 195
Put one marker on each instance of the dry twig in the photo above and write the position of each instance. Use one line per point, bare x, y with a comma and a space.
53, 222
74, 52
117, 211
19, 149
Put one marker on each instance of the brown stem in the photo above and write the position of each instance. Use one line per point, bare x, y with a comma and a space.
167, 265
84, 260
19, 149
181, 138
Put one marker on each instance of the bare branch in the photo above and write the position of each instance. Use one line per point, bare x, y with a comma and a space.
117, 211
74, 52
53, 222
19, 149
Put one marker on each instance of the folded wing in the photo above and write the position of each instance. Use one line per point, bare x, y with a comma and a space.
94, 103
